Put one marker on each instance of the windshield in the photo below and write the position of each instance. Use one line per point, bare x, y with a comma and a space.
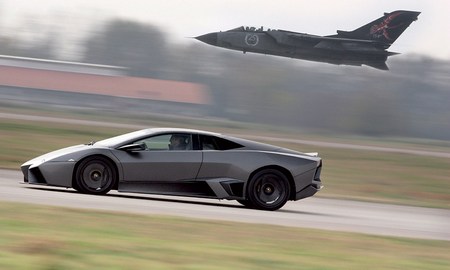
115, 141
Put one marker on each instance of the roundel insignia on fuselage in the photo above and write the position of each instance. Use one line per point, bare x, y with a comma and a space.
251, 39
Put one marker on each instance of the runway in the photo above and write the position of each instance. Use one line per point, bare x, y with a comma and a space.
317, 213
47, 119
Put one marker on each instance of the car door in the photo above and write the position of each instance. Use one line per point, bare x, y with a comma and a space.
220, 159
161, 161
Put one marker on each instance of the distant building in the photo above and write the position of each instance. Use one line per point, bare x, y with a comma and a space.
96, 86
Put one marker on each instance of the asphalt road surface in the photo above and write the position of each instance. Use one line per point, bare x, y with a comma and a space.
318, 213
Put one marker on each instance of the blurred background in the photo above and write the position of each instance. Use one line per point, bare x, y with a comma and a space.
131, 58
72, 72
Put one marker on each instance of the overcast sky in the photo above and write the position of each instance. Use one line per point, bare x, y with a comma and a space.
429, 35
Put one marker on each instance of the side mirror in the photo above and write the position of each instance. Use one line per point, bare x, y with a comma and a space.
135, 147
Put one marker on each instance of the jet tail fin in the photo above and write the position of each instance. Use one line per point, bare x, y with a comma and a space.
385, 29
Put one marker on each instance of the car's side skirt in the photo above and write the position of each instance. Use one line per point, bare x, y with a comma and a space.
221, 188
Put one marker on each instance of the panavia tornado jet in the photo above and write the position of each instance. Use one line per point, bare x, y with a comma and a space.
366, 45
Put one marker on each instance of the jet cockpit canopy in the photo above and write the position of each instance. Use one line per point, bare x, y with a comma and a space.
246, 29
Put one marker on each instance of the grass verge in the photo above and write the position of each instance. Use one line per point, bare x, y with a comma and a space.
40, 237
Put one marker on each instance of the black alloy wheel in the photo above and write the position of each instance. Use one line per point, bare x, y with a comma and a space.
95, 175
268, 190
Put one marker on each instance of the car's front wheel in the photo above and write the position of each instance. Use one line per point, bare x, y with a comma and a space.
95, 175
268, 190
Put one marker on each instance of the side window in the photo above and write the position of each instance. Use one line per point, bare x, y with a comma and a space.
175, 141
208, 143
216, 143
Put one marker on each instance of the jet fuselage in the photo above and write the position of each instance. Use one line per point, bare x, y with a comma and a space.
364, 46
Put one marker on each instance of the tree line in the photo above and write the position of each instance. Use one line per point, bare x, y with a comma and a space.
409, 100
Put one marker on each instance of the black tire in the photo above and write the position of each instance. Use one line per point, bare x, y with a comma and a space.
268, 190
246, 203
95, 175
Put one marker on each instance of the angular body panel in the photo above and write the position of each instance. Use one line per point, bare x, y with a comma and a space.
159, 165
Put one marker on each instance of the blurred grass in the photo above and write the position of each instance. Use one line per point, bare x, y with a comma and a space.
23, 140
350, 174
40, 237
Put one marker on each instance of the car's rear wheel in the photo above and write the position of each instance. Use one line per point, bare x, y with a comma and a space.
245, 203
268, 190
95, 175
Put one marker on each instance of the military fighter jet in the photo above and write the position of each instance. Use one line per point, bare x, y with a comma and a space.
363, 46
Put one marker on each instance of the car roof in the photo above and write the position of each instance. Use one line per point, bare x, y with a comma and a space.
249, 144
150, 131
125, 138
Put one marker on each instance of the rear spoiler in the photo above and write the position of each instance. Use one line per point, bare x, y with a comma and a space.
312, 154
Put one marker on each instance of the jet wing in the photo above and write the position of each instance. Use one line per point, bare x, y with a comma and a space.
378, 65
331, 42
333, 39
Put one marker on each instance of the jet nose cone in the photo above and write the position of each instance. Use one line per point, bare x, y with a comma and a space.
210, 38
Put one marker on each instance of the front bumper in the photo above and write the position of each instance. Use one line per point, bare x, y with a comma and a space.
49, 173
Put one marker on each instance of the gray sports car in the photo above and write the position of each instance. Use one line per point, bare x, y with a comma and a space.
182, 162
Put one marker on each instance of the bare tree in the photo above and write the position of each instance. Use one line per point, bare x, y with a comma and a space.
140, 47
